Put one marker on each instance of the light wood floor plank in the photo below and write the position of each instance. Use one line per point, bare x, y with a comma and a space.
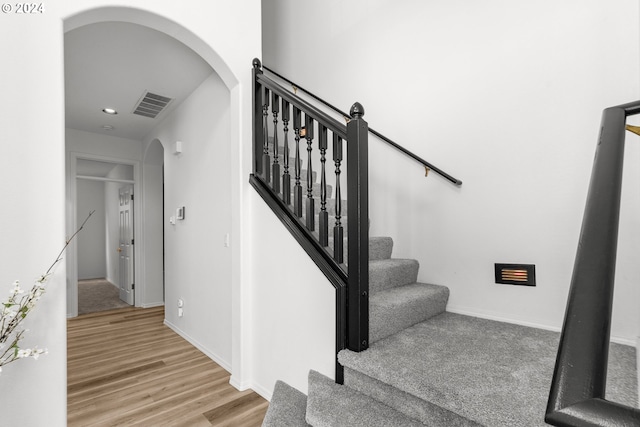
126, 368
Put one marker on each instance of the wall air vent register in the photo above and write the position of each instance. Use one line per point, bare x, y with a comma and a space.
516, 274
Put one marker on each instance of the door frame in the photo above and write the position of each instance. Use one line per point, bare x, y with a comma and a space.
72, 222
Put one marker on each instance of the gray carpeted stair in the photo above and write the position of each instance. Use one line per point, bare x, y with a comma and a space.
390, 273
426, 366
474, 371
288, 407
395, 309
330, 404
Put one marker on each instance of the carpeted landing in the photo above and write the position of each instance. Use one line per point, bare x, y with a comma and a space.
98, 295
435, 368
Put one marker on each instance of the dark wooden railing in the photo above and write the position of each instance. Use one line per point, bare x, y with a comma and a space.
577, 396
426, 164
273, 108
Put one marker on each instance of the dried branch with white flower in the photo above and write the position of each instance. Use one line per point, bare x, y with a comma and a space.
14, 310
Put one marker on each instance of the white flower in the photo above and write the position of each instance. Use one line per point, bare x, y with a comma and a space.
36, 352
9, 312
24, 352
15, 290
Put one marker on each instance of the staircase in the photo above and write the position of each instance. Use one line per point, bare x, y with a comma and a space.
426, 366
423, 365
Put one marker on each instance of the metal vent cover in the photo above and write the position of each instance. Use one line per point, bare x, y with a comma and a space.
516, 274
151, 104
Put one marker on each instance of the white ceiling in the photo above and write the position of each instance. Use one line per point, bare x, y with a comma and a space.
112, 64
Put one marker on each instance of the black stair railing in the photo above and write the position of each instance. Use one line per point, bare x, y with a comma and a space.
428, 166
577, 396
322, 238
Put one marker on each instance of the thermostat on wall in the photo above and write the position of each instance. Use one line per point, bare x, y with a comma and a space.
180, 212
177, 147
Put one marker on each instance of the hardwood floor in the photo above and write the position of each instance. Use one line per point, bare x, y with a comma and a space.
126, 368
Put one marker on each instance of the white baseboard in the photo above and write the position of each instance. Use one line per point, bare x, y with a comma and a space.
239, 384
267, 394
492, 316
638, 366
211, 355
152, 304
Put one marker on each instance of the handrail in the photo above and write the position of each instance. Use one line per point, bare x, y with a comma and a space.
577, 396
351, 279
397, 146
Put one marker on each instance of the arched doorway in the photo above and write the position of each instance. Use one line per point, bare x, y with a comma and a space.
231, 143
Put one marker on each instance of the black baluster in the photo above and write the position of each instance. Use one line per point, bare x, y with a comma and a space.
323, 216
338, 231
297, 188
275, 181
266, 160
286, 178
310, 204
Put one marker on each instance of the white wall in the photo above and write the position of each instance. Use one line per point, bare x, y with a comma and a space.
229, 33
197, 265
506, 96
293, 308
95, 144
91, 242
152, 224
32, 176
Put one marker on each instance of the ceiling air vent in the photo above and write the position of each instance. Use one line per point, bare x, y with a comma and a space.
151, 104
516, 274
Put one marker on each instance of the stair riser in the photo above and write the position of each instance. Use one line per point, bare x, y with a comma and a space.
385, 274
399, 308
405, 403
331, 405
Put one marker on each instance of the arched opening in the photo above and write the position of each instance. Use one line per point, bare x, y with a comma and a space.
201, 179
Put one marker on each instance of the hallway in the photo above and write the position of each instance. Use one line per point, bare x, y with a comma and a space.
126, 368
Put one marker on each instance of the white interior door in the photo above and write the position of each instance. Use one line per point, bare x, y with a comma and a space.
125, 249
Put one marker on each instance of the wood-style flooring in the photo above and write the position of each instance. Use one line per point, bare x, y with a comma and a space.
126, 368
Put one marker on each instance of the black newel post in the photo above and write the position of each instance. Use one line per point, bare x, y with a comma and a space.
358, 232
257, 128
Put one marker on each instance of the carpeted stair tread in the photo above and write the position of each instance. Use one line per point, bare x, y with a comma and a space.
333, 405
493, 373
288, 407
395, 309
388, 273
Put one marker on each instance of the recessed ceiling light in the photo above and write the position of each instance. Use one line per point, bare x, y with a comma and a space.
107, 127
109, 111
